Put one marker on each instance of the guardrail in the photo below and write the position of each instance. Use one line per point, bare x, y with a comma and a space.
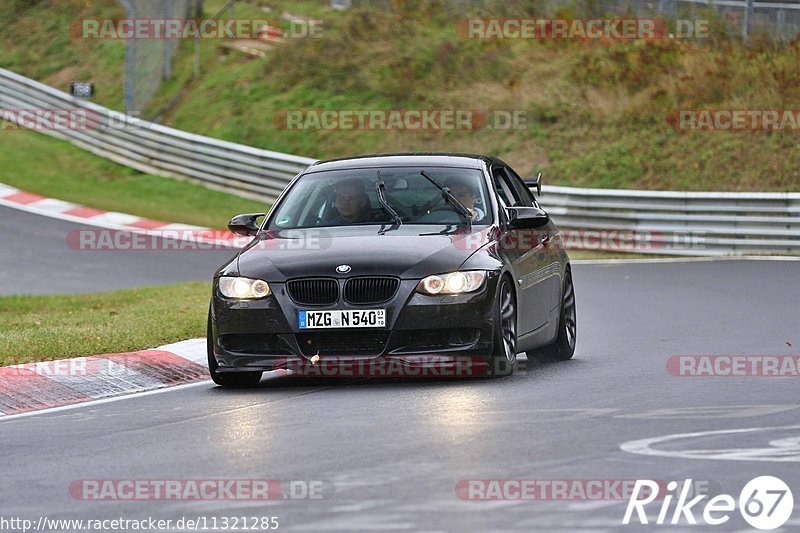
157, 149
681, 223
684, 223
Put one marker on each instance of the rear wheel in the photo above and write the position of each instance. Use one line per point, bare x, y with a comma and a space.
564, 346
503, 361
240, 380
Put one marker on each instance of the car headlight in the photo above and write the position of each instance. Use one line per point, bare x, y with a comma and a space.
452, 283
243, 288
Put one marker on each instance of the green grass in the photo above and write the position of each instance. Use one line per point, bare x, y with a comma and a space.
598, 113
71, 174
40, 40
42, 328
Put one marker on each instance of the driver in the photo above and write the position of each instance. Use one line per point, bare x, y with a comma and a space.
464, 191
352, 203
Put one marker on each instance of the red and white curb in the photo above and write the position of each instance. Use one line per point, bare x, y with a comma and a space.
32, 387
70, 212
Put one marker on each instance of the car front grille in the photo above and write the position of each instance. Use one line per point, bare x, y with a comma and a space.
313, 291
261, 344
343, 343
370, 290
423, 340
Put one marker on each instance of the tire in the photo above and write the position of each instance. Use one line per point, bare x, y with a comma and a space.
563, 348
240, 380
503, 361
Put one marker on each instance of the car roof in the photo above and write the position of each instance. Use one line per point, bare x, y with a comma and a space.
409, 159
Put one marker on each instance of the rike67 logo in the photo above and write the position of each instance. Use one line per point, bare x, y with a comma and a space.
766, 503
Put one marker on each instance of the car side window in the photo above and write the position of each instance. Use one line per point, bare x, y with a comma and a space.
505, 190
525, 193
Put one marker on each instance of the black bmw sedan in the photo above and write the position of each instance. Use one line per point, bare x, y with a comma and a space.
416, 261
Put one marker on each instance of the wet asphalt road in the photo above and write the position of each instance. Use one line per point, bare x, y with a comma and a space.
40, 255
391, 453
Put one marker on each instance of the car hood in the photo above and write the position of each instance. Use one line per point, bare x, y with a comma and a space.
409, 252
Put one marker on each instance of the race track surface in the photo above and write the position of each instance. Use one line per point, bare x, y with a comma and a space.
391, 453
41, 255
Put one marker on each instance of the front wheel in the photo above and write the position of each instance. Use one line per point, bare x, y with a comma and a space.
503, 361
564, 346
241, 380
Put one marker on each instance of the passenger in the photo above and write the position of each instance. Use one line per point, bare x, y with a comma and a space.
464, 191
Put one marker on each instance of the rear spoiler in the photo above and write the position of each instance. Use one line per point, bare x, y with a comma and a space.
535, 182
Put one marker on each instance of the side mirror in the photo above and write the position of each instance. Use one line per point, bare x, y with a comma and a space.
535, 182
245, 224
527, 217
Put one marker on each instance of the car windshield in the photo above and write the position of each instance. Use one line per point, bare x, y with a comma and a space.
350, 197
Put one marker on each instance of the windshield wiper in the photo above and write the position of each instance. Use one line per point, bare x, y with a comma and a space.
448, 196
380, 187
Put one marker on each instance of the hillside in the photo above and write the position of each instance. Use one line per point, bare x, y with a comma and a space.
597, 113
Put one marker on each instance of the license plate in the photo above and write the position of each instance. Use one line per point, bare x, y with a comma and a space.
366, 318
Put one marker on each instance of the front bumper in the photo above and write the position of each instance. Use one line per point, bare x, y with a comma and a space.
422, 332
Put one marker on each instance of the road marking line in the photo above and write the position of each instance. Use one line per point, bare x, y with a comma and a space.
781, 454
